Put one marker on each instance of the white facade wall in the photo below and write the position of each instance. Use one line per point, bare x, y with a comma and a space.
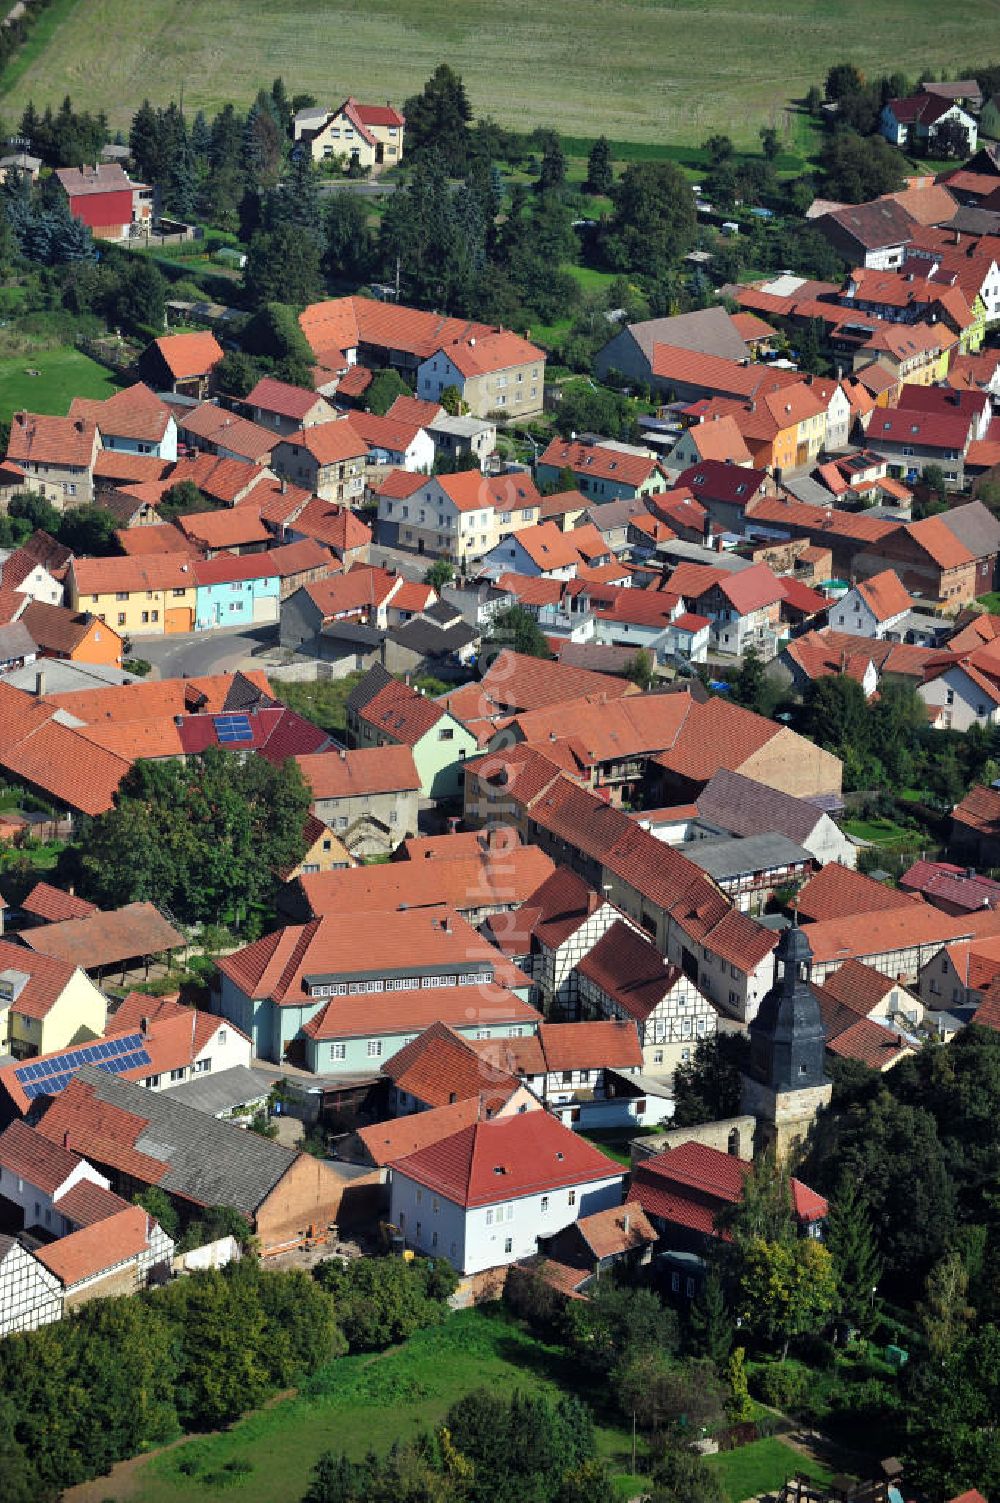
483, 1237
30, 1296
39, 1207
854, 615
963, 703
227, 1047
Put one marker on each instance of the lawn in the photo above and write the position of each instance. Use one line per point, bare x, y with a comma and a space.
323, 702
636, 70
63, 373
762, 1467
881, 832
355, 1404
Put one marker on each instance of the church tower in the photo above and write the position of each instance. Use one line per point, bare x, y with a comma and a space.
785, 1085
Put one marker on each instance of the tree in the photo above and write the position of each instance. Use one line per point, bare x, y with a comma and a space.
296, 200
237, 373
517, 629
183, 500
349, 244
859, 168
843, 79
711, 1324
837, 712
945, 1313
552, 176
666, 1396
159, 1205
600, 173
383, 391
739, 1405
438, 118
139, 301
282, 266
440, 573
953, 1442
208, 838
682, 1477
451, 401
89, 530
619, 1322
750, 687
381, 1301
642, 670
708, 1087
654, 221
951, 139
856, 1259
764, 1214
786, 1289
769, 143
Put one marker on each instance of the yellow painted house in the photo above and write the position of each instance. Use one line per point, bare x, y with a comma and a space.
145, 596
45, 1004
917, 354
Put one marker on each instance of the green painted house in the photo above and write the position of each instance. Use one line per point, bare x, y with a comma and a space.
383, 711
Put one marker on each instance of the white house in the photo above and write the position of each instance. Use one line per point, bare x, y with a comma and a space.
873, 608
687, 636
395, 441
490, 1194
917, 120
35, 1174
536, 551
30, 1296
838, 411
963, 697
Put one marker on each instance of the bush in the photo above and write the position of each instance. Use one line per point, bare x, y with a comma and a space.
380, 1301
783, 1385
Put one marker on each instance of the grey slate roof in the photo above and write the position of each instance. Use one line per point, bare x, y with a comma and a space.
746, 807
366, 689
443, 612
742, 856
706, 331
16, 641
210, 1162
431, 640
226, 1091
974, 526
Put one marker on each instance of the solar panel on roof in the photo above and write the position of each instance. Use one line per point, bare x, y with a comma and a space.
232, 729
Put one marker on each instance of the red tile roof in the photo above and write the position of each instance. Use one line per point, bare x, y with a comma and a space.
858, 986
233, 527
386, 1142
870, 1043
630, 470
328, 443
159, 539
271, 395
156, 571
104, 1132
837, 891
506, 1159
276, 966
101, 939
353, 774
402, 713
885, 595
485, 353
882, 933
469, 490
107, 1244
87, 1203
439, 1068
136, 413
630, 969
335, 526
953, 885
216, 425
484, 879
409, 1012
31, 1156
591, 1046
980, 810
54, 757
689, 1185
343, 323
53, 905
717, 734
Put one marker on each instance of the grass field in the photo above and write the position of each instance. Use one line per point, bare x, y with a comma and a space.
638, 70
762, 1467
355, 1404
63, 373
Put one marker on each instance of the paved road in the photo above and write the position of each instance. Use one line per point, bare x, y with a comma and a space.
360, 189
195, 654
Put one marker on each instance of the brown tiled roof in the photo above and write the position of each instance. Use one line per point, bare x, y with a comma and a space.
55, 628
101, 939
328, 443
980, 810
159, 539
83, 1254
616, 1231
717, 734
402, 713
857, 986
514, 682
288, 401
605, 464
30, 1155
837, 891
215, 425
336, 526
375, 769
439, 1068
885, 595
516, 1056
599, 730
870, 1043
53, 905
87, 1203
136, 413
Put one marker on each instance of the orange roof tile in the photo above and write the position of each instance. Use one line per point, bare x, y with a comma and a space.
154, 571
388, 1141
605, 464
328, 443
837, 891
31, 1156
485, 879
105, 1245
52, 905
439, 1068
187, 355
136, 413
36, 438
408, 1012
591, 1046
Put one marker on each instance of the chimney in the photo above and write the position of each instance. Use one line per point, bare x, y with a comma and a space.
40, 683
144, 1026
626, 1223
65, 1139
343, 754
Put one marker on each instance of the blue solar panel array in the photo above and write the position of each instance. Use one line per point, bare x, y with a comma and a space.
47, 1077
232, 729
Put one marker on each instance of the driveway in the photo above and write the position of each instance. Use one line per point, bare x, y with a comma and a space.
199, 653
404, 561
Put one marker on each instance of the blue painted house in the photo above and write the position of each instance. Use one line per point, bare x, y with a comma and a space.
235, 591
